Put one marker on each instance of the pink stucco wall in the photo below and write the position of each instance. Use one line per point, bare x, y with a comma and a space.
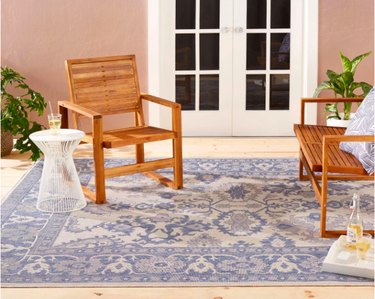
39, 35
346, 26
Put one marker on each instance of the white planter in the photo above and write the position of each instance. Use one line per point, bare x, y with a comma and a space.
333, 122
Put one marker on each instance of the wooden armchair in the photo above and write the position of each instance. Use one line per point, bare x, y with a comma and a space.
324, 161
106, 86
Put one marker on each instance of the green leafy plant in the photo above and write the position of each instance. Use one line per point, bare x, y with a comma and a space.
15, 109
343, 85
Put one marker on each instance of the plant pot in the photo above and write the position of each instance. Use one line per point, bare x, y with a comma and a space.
6, 143
334, 122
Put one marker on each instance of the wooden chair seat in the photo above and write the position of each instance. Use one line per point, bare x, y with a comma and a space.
136, 135
311, 139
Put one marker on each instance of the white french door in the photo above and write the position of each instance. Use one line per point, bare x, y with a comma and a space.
267, 64
197, 63
234, 65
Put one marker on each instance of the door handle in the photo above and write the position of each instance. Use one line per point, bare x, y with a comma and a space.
225, 29
238, 29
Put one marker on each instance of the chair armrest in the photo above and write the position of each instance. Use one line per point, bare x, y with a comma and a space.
96, 120
176, 110
160, 101
324, 100
330, 100
327, 139
79, 109
347, 138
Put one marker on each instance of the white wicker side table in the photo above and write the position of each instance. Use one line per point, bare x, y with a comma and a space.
60, 189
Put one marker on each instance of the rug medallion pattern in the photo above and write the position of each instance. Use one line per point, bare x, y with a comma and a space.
236, 222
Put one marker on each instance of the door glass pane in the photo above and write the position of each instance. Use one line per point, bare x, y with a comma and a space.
279, 92
280, 50
280, 14
256, 51
209, 51
209, 14
185, 14
185, 52
209, 92
256, 14
185, 91
255, 92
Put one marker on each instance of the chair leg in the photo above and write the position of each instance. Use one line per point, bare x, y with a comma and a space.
323, 204
300, 167
64, 117
300, 171
100, 197
140, 152
177, 169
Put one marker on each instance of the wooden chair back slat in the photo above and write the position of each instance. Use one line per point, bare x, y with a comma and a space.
107, 85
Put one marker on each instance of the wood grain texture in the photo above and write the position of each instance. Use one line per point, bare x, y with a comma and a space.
304, 101
98, 153
138, 167
280, 292
106, 85
311, 141
135, 135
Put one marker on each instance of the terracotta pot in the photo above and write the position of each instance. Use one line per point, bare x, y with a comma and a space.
6, 143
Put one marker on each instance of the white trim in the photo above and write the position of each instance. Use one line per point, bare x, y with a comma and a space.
197, 54
187, 31
310, 56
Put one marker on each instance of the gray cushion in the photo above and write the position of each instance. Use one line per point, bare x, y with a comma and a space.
362, 124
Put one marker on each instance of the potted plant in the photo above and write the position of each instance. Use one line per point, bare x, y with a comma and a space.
15, 109
343, 85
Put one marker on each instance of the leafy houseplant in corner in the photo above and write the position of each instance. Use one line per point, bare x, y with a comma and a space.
343, 85
15, 109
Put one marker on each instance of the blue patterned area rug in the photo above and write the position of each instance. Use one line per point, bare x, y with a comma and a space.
245, 222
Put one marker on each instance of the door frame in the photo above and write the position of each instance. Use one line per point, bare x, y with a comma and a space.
159, 116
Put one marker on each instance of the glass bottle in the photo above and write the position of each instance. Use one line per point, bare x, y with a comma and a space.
355, 224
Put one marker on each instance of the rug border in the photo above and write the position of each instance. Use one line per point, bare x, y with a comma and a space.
10, 191
201, 284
